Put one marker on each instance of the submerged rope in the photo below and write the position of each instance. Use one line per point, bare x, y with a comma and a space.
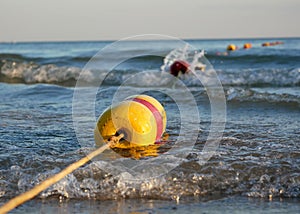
20, 199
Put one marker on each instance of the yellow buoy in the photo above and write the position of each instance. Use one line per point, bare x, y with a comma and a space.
231, 47
140, 118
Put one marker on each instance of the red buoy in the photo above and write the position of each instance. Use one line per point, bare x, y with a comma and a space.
179, 66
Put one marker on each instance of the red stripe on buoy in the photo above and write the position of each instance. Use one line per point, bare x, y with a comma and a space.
156, 114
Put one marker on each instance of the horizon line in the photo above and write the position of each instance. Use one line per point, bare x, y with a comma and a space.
112, 40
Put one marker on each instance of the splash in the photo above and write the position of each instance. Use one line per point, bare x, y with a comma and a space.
187, 54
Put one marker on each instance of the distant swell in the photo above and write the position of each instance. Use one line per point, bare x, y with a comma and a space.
251, 58
9, 56
80, 61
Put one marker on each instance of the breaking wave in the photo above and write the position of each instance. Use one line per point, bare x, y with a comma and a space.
31, 73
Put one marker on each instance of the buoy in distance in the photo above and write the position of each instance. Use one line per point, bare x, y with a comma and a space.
247, 45
231, 47
140, 118
266, 44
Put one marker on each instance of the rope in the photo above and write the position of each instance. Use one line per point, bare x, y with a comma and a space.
20, 199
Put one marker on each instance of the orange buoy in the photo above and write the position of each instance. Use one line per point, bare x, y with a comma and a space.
247, 45
265, 44
231, 47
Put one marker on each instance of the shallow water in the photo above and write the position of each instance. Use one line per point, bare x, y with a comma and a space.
142, 206
258, 155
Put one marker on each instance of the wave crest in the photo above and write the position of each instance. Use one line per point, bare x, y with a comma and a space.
269, 95
260, 77
31, 73
20, 72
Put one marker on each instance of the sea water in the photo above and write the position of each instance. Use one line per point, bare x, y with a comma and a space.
257, 159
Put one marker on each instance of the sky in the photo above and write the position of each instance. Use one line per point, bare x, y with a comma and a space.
69, 20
